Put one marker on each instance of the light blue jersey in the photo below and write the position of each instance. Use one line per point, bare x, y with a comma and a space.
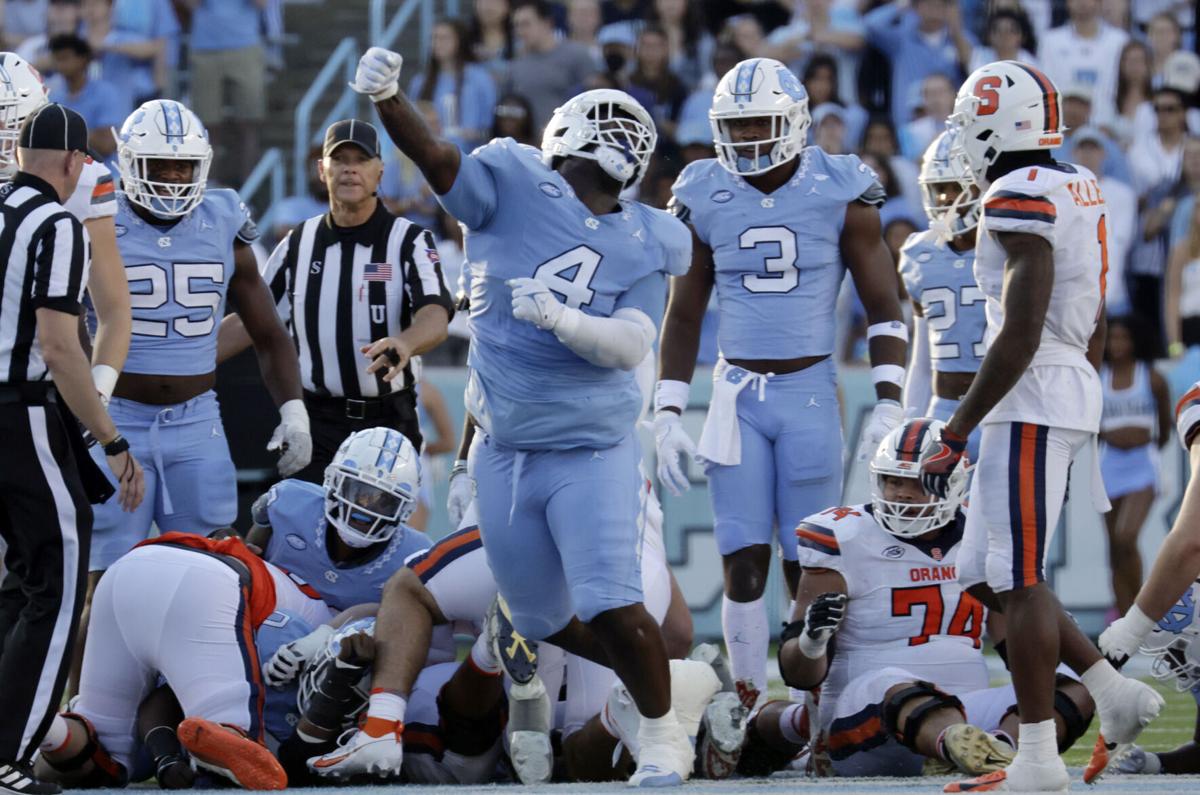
295, 512
942, 282
777, 259
527, 389
178, 276
280, 713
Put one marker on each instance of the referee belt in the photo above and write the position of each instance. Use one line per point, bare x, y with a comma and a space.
395, 404
32, 393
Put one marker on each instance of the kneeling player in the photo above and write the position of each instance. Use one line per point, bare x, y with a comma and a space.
908, 678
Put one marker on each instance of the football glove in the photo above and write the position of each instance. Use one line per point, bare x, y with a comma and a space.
671, 441
462, 491
289, 659
886, 415
533, 302
378, 74
1123, 637
939, 460
822, 618
292, 438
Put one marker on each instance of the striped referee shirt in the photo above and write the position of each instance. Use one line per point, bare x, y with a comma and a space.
44, 263
338, 289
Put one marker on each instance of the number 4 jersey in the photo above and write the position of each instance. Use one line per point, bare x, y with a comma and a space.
1062, 204
526, 388
906, 608
178, 275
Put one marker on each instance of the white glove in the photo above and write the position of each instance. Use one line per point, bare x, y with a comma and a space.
378, 74
462, 491
105, 379
289, 659
533, 302
1124, 636
886, 415
292, 438
670, 441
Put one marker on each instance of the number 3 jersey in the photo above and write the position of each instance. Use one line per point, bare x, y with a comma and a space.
1062, 204
942, 282
906, 608
178, 276
526, 388
777, 258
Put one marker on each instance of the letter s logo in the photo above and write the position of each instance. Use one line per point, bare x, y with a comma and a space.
985, 90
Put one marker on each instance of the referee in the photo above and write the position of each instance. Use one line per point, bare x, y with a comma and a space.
47, 479
362, 292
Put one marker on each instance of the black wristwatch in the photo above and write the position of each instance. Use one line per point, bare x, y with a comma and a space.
116, 446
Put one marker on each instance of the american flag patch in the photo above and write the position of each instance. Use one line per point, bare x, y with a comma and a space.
1024, 125
377, 271
433, 255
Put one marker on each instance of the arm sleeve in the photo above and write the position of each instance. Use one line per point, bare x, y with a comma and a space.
918, 381
473, 197
59, 253
423, 280
620, 341
275, 274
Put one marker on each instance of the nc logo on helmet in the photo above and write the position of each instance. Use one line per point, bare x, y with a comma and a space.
1181, 614
790, 84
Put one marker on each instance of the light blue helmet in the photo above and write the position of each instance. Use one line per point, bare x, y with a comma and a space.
941, 165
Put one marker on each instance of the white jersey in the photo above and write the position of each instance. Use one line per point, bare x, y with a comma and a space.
906, 607
95, 196
1061, 203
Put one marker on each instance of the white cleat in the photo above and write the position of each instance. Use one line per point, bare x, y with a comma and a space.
722, 735
360, 753
973, 751
1139, 761
693, 685
665, 758
529, 724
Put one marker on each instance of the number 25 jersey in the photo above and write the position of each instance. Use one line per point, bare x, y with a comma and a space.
178, 276
527, 389
776, 257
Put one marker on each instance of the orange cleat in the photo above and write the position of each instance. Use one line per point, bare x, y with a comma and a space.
992, 782
1103, 754
225, 750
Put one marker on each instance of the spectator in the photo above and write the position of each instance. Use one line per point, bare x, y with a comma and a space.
1009, 38
623, 11
894, 206
829, 128
1164, 37
1186, 190
1116, 13
1077, 114
1156, 158
135, 42
402, 187
583, 23
652, 72
1183, 289
745, 32
937, 103
99, 102
491, 39
618, 43
291, 211
462, 92
22, 19
880, 140
1144, 12
1134, 116
1085, 51
1091, 152
226, 50
548, 71
689, 44
62, 16
926, 39
820, 80
694, 135
821, 27
513, 118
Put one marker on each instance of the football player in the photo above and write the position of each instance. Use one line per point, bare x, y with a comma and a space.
348, 537
568, 282
1041, 261
186, 249
775, 225
937, 267
883, 626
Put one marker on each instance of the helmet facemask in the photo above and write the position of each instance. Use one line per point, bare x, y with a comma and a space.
1173, 645
10, 132
608, 127
899, 456
789, 131
363, 510
163, 199
958, 217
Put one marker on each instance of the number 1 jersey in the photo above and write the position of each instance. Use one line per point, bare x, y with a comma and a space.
527, 389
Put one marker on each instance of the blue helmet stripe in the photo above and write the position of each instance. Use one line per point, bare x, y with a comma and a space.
173, 119
743, 86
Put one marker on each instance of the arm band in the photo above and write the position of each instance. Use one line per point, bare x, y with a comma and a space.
671, 394
620, 341
887, 374
889, 328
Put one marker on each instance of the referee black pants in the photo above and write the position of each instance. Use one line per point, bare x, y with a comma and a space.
46, 520
330, 426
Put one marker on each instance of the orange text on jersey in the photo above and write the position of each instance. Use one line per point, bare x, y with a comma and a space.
1086, 193
933, 574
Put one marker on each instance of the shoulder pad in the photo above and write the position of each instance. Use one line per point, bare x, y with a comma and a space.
260, 512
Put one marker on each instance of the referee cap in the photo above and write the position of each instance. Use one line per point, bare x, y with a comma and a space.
352, 131
54, 127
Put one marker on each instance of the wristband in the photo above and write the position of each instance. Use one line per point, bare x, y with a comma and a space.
671, 394
889, 328
105, 379
116, 446
887, 374
459, 467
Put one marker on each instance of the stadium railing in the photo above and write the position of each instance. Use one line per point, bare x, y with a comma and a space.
270, 172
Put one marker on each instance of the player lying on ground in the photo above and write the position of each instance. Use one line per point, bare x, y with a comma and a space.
884, 628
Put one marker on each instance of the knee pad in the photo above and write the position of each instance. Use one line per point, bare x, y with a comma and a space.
106, 771
906, 735
470, 736
1075, 722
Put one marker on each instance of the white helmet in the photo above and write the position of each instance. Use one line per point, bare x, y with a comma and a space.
313, 675
1173, 645
371, 486
163, 129
941, 165
607, 126
21, 93
756, 88
899, 455
1006, 106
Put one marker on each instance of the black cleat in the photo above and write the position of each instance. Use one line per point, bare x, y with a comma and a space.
18, 779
